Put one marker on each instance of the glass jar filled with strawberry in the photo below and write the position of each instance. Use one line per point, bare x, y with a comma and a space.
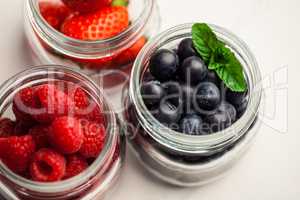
59, 138
90, 34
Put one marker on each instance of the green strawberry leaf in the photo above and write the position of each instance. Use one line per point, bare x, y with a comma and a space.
120, 3
218, 57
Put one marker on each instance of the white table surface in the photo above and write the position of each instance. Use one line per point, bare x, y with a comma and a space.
271, 169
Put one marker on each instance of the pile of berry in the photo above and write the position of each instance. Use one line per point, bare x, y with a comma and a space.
92, 20
59, 130
184, 95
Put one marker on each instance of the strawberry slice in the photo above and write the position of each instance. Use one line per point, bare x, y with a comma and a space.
105, 23
54, 12
86, 6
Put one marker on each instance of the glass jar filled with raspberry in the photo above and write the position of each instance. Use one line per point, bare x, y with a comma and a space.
59, 138
90, 34
192, 103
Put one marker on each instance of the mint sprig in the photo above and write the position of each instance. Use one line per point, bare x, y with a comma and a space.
218, 57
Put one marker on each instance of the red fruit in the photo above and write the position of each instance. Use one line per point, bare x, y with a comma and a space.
17, 152
7, 127
22, 127
51, 103
75, 165
47, 166
105, 23
85, 6
40, 135
54, 12
129, 55
66, 134
93, 142
23, 102
95, 114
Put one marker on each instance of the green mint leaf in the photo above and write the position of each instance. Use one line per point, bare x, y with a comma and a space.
230, 70
120, 3
205, 41
218, 57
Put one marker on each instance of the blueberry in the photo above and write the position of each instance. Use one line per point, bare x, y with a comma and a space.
229, 109
148, 77
186, 49
152, 92
180, 91
193, 70
191, 125
168, 113
163, 64
235, 98
207, 96
213, 78
173, 90
241, 108
224, 117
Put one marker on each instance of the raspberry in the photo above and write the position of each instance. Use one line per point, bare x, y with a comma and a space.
75, 165
17, 152
47, 165
22, 103
7, 127
66, 134
22, 127
95, 115
52, 103
93, 142
40, 135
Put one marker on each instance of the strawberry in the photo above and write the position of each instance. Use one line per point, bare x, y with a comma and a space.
17, 152
47, 166
66, 135
129, 55
85, 6
93, 142
105, 23
54, 12
75, 165
7, 127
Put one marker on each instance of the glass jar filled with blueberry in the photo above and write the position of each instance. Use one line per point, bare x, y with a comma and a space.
192, 103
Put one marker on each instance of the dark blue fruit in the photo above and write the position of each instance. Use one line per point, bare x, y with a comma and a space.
241, 108
193, 70
183, 92
213, 78
229, 109
224, 117
207, 97
168, 113
235, 98
163, 64
186, 49
152, 92
191, 125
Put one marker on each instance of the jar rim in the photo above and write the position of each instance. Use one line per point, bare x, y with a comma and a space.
84, 49
204, 144
95, 167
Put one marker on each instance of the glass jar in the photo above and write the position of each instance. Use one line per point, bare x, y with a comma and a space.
49, 46
99, 178
180, 159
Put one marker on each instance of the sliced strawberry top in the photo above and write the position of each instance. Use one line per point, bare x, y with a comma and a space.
105, 23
